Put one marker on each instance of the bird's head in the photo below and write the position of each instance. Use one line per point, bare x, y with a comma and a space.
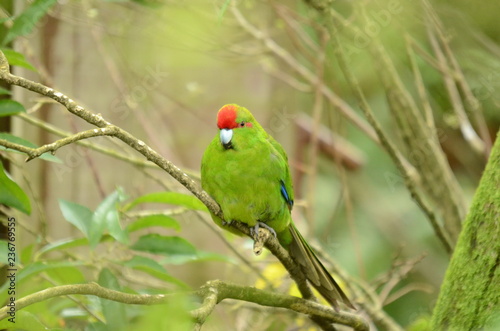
233, 117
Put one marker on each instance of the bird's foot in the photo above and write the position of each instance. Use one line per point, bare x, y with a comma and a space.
254, 231
259, 238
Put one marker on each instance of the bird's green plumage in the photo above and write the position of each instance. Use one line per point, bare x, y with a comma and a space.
247, 178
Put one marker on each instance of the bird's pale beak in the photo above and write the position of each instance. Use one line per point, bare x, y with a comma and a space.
226, 135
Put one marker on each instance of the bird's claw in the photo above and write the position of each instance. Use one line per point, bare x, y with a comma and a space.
259, 239
254, 231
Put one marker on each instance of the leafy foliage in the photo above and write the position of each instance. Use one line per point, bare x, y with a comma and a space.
17, 59
25, 22
11, 194
10, 107
68, 261
171, 198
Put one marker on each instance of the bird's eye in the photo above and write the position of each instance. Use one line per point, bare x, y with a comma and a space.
242, 124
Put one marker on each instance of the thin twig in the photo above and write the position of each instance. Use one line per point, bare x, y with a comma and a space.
409, 173
397, 273
53, 147
480, 144
466, 128
419, 82
344, 108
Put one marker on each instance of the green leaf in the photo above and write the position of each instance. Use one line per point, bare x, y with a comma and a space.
66, 275
4, 251
154, 269
171, 198
27, 254
141, 261
21, 141
173, 315
4, 91
12, 195
78, 215
154, 220
36, 268
23, 320
97, 326
108, 280
62, 245
176, 249
196, 257
115, 228
114, 312
93, 224
72, 312
10, 107
27, 21
164, 245
106, 216
17, 59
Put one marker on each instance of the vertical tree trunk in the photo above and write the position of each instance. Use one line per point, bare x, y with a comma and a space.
470, 295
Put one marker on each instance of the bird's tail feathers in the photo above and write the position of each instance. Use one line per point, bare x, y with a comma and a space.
314, 270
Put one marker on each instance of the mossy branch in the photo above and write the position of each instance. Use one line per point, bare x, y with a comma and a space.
469, 298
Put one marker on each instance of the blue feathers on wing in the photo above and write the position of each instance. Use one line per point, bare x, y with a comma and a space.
285, 195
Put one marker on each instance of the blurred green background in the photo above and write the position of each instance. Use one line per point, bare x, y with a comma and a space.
162, 69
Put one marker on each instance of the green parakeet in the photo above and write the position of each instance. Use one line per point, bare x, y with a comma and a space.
246, 172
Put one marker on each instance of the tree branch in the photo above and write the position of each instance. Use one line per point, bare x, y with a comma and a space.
85, 289
212, 293
104, 150
53, 147
468, 299
428, 171
230, 291
108, 129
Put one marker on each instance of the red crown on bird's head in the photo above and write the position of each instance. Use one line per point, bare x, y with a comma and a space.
226, 118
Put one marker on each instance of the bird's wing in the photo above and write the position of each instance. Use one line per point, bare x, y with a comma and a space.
286, 179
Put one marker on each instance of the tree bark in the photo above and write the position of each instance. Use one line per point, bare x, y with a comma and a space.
470, 294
